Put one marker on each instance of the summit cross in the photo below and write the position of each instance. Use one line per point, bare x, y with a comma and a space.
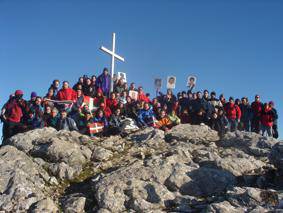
113, 56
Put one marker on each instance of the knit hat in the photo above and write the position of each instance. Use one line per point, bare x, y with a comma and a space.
19, 92
33, 95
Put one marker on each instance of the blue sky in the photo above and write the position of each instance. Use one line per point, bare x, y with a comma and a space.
233, 47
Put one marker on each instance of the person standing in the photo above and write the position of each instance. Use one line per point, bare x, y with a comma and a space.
12, 114
275, 120
104, 82
233, 113
257, 108
246, 115
267, 118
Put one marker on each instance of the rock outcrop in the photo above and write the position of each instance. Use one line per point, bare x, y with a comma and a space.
187, 169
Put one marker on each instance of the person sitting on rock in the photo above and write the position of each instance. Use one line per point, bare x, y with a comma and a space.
66, 123
85, 122
215, 123
36, 114
185, 116
146, 116
175, 120
115, 123
164, 122
100, 118
53, 119
199, 118
112, 101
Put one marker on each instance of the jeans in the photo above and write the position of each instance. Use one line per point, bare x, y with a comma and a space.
267, 129
232, 125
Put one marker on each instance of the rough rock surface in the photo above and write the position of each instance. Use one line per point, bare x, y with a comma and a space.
187, 169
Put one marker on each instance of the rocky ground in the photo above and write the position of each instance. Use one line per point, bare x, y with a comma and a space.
188, 169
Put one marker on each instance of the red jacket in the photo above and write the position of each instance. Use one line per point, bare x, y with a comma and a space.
143, 97
233, 111
257, 108
67, 95
13, 111
267, 117
107, 111
112, 103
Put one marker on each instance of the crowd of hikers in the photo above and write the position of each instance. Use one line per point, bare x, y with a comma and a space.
91, 108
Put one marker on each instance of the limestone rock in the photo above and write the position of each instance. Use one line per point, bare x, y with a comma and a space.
44, 206
276, 155
22, 181
192, 134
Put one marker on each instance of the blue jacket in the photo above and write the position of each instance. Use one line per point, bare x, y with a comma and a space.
145, 115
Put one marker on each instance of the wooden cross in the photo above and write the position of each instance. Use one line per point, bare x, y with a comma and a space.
113, 55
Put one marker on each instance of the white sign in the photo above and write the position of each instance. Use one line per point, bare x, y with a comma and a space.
122, 75
171, 82
191, 81
133, 94
158, 83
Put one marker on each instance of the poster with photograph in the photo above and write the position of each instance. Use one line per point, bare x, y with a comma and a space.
171, 82
157, 83
133, 94
191, 82
122, 75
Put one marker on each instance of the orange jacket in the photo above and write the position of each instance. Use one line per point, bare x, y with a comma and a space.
164, 122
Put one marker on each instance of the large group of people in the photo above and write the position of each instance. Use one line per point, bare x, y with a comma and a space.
91, 108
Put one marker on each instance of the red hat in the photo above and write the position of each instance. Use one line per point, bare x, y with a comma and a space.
19, 92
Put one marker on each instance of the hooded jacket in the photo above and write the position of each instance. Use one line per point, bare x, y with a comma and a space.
233, 111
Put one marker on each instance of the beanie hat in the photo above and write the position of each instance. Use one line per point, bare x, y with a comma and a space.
33, 95
19, 92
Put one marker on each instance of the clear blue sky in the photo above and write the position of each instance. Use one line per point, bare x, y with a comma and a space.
234, 47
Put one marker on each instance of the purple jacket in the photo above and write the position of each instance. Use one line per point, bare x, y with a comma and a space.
104, 82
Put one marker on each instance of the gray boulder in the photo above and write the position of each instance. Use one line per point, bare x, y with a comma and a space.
192, 133
276, 155
22, 182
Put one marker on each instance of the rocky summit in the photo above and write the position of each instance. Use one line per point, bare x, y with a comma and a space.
187, 169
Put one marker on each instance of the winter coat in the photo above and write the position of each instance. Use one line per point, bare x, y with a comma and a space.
143, 97
13, 111
257, 108
233, 111
145, 115
267, 117
67, 95
104, 83
66, 124
246, 111
164, 122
